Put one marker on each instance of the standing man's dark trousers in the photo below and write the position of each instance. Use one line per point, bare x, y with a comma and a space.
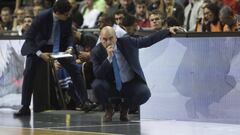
134, 93
28, 80
32, 61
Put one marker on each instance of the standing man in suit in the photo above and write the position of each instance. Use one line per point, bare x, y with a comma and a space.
51, 32
118, 72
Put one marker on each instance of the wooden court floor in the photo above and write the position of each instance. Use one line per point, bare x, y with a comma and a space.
66, 122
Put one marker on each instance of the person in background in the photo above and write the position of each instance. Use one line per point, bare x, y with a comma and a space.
210, 21
156, 20
142, 14
118, 16
27, 21
77, 17
192, 13
238, 22
6, 18
228, 19
171, 21
90, 14
18, 19
172, 8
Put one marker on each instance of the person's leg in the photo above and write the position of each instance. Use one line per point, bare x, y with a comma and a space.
79, 86
27, 86
76, 77
135, 93
103, 91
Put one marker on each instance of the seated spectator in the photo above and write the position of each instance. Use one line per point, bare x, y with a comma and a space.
192, 13
18, 19
90, 14
76, 15
27, 21
210, 21
118, 16
238, 22
156, 20
142, 14
172, 8
6, 18
228, 19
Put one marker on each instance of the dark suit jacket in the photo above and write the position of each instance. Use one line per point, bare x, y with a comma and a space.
129, 48
40, 31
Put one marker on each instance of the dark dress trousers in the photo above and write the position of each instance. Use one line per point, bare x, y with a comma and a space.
37, 39
135, 91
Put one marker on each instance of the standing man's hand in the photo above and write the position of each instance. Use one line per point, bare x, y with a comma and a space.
45, 56
175, 29
69, 51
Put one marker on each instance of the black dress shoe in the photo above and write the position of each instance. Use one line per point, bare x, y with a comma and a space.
124, 113
88, 106
109, 111
23, 112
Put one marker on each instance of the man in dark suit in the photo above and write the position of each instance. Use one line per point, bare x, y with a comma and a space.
42, 39
118, 72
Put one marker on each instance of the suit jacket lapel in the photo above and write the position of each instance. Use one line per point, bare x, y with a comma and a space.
102, 52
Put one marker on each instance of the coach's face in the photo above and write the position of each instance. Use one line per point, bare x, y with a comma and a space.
108, 37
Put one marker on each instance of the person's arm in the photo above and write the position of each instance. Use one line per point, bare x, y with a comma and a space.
101, 68
149, 40
30, 46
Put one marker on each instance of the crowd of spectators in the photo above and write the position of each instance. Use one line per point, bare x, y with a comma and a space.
193, 15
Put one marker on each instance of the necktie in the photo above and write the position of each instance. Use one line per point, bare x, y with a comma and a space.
116, 73
56, 38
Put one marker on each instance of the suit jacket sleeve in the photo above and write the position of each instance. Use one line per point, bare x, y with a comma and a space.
30, 45
101, 66
146, 41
